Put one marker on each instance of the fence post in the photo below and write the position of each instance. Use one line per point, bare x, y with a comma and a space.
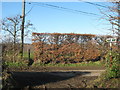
28, 54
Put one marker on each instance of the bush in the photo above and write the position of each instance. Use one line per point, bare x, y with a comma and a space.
7, 79
112, 64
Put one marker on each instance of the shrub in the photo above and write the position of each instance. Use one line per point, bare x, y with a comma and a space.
113, 65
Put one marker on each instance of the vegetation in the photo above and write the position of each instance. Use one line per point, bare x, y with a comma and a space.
68, 48
7, 80
11, 27
63, 50
16, 64
103, 83
111, 77
69, 54
97, 63
112, 65
25, 55
24, 64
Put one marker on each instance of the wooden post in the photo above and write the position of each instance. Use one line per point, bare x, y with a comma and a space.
30, 60
29, 54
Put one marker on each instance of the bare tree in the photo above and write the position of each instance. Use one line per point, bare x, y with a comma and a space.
112, 15
12, 26
114, 19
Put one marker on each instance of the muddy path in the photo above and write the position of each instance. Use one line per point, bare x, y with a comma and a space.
55, 77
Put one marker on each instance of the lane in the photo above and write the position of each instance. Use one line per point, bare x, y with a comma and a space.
82, 72
39, 78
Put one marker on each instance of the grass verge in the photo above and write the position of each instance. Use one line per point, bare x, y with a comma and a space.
97, 63
102, 82
24, 63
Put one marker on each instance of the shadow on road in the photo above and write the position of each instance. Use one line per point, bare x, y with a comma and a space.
39, 78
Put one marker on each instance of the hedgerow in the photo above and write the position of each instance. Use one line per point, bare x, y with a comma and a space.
68, 47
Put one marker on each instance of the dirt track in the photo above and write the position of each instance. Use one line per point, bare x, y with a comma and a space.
57, 77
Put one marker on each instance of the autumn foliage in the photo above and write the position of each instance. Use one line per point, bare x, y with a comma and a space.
66, 47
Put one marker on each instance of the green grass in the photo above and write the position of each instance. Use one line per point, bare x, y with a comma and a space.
25, 55
100, 82
25, 62
97, 63
18, 62
15, 64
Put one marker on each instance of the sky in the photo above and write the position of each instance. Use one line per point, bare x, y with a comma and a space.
49, 19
